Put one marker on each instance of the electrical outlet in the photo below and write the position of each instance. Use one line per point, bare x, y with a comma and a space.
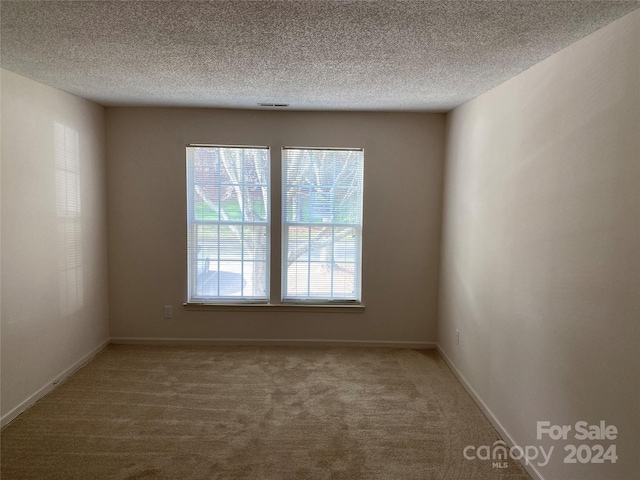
168, 311
457, 337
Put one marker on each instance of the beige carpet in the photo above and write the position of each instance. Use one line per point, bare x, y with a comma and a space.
142, 412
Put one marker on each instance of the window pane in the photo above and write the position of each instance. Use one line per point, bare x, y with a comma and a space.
298, 279
255, 199
228, 214
297, 243
322, 223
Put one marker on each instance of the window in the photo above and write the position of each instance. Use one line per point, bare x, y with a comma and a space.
230, 237
322, 224
228, 223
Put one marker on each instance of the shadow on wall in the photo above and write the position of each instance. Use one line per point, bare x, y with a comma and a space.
68, 206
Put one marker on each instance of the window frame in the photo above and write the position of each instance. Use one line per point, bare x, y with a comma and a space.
191, 221
284, 237
275, 256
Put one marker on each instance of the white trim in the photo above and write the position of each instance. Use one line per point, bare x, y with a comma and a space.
52, 384
215, 145
288, 306
487, 412
270, 341
351, 149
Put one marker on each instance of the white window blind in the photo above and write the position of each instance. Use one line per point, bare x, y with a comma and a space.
322, 224
228, 223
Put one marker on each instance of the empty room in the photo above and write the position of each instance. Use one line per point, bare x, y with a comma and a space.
320, 239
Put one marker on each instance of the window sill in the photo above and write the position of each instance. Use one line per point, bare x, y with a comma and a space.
279, 307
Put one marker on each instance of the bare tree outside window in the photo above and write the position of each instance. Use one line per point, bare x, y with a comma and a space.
229, 228
228, 236
322, 214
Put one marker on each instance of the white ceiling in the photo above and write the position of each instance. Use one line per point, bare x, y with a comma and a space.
313, 54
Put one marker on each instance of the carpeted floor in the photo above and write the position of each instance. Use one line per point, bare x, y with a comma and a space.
142, 412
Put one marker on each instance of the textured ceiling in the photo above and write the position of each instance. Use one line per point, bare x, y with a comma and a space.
314, 54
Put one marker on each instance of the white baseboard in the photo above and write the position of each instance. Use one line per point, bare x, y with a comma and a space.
487, 412
272, 342
53, 383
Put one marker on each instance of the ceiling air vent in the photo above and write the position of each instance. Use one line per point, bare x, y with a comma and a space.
281, 105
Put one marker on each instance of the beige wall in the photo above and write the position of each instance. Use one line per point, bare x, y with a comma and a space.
147, 221
54, 264
541, 256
